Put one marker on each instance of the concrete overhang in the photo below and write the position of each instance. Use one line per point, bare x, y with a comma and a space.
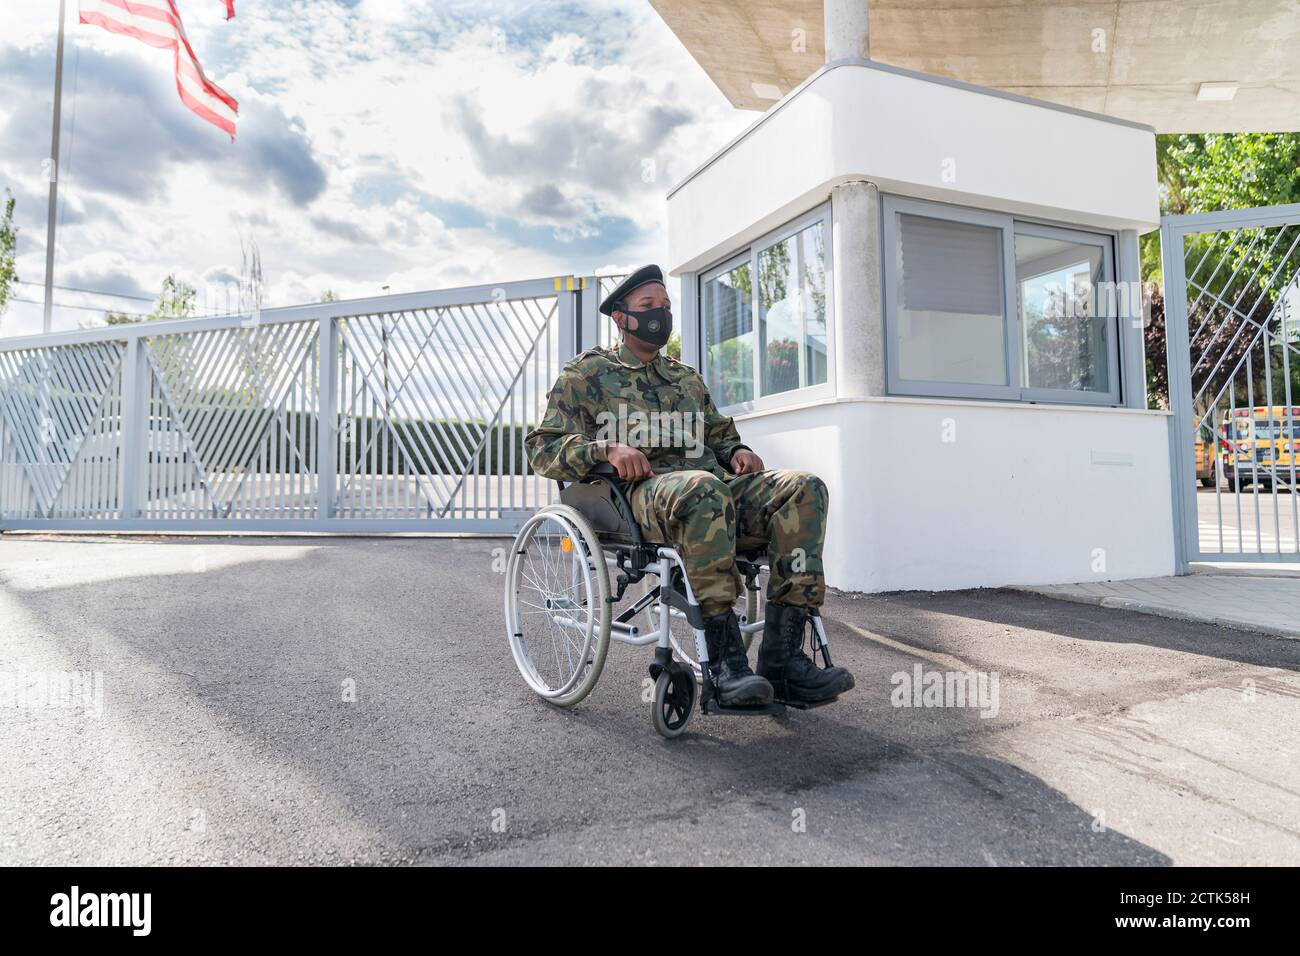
1142, 60
918, 136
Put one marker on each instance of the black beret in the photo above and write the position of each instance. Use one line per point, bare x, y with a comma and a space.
625, 288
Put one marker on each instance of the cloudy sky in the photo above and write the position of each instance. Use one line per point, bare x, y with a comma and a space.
411, 143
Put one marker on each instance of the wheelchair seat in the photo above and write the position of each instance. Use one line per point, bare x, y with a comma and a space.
599, 497
602, 503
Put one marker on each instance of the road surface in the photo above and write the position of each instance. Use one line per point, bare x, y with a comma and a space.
335, 700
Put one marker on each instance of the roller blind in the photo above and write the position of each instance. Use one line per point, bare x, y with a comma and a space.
950, 266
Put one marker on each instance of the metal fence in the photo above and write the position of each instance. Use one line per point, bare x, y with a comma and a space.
1232, 284
399, 413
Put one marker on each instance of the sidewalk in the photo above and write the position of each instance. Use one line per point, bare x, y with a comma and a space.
1263, 599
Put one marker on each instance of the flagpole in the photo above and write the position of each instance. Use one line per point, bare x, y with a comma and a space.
54, 177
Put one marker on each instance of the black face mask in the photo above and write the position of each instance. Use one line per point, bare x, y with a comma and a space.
653, 326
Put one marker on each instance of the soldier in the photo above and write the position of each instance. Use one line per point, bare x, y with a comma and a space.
694, 486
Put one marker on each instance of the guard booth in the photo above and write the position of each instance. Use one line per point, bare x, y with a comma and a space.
929, 293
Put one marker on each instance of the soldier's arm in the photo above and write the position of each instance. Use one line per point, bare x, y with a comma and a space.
561, 446
720, 431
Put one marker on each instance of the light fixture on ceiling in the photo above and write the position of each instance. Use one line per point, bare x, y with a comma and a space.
1216, 92
766, 91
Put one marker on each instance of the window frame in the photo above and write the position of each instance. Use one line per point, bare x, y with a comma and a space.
1106, 243
1015, 389
739, 259
892, 207
822, 213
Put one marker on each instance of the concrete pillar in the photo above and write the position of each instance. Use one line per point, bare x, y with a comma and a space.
858, 318
846, 29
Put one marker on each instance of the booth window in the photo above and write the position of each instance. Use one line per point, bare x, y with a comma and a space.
763, 316
980, 305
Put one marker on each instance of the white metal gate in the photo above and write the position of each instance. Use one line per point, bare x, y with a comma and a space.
399, 413
1232, 301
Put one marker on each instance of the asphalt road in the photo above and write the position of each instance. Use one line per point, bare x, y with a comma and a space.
225, 737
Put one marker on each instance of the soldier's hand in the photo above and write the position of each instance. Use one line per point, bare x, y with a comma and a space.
744, 461
632, 464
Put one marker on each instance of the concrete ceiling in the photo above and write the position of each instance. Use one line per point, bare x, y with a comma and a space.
1141, 60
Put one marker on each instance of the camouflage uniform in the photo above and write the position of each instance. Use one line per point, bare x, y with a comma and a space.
691, 502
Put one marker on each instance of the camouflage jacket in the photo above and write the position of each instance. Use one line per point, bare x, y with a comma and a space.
609, 396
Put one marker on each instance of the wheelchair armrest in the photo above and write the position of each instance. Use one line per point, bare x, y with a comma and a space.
601, 469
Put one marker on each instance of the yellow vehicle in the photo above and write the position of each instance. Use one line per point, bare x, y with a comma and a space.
1260, 445
1205, 462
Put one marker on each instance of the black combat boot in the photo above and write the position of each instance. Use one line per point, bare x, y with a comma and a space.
795, 678
736, 684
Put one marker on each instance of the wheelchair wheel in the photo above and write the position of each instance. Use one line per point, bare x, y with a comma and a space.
674, 701
557, 605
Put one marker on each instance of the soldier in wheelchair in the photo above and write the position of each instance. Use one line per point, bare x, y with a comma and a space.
660, 482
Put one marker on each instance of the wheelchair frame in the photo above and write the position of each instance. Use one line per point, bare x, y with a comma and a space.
598, 501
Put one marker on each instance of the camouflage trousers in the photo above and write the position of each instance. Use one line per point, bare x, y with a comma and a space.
706, 518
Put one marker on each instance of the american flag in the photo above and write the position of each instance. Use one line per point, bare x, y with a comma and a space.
158, 23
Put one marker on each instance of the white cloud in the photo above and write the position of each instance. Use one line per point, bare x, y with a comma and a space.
456, 143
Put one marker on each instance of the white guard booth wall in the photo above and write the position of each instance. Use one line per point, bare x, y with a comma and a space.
929, 492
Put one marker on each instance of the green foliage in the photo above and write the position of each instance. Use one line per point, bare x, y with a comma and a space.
732, 362
176, 301
773, 270
1237, 170
1208, 173
1154, 337
788, 297
8, 251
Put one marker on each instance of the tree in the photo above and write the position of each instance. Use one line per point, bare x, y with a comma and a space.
1207, 173
1154, 338
8, 252
674, 347
176, 301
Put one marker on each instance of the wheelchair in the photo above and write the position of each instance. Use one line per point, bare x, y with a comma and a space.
560, 606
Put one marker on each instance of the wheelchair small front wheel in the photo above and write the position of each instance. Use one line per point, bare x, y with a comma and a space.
674, 700
557, 605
